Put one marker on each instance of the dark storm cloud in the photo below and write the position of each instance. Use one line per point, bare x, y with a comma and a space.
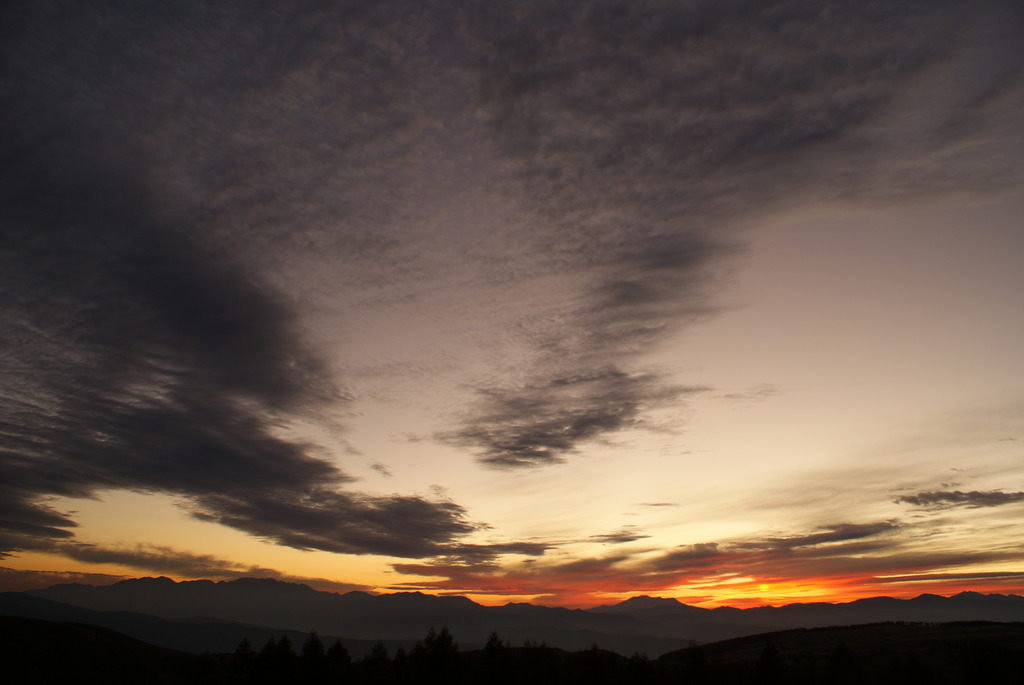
636, 133
157, 161
538, 424
945, 499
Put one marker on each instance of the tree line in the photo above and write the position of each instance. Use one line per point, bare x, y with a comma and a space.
437, 660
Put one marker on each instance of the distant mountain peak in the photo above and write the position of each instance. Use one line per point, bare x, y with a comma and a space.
147, 580
927, 596
641, 601
969, 594
254, 582
640, 623
646, 604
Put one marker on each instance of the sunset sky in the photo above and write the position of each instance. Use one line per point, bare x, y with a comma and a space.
559, 302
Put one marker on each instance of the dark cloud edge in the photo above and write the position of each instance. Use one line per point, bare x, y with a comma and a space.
581, 162
949, 499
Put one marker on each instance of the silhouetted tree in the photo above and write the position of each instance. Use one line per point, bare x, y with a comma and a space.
339, 663
313, 648
374, 668
265, 662
695, 665
769, 670
907, 669
243, 660
538, 664
286, 654
985, 663
436, 658
595, 666
640, 671
401, 668
495, 666
275, 661
844, 667
313, 663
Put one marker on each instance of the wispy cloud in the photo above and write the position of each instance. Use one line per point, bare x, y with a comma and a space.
541, 423
756, 393
843, 532
162, 167
639, 134
179, 179
1011, 578
162, 559
621, 536
382, 469
944, 499
855, 557
16, 580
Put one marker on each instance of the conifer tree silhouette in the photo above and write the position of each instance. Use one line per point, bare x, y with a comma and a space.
769, 669
495, 665
844, 667
313, 662
338, 663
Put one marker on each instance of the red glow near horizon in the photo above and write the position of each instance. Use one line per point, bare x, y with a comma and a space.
746, 597
745, 593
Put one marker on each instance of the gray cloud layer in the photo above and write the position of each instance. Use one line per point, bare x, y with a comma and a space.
944, 499
539, 423
157, 160
636, 132
164, 167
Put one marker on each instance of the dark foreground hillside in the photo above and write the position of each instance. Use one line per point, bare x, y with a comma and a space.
36, 651
898, 653
967, 653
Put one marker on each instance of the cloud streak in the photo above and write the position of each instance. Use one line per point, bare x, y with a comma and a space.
539, 423
854, 556
167, 560
157, 165
947, 499
187, 187
621, 536
638, 135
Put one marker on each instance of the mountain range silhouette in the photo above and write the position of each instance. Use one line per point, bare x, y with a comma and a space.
204, 615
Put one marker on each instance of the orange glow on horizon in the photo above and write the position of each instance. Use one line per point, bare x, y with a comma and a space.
582, 584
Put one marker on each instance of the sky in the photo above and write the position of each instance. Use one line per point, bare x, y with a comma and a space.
559, 302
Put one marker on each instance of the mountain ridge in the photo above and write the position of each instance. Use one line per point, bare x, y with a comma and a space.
637, 601
642, 623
